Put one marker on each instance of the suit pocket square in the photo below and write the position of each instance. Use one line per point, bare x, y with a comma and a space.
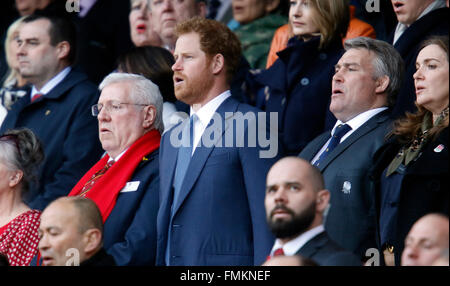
131, 187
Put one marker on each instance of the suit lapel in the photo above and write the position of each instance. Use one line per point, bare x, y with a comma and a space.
361, 131
202, 153
313, 246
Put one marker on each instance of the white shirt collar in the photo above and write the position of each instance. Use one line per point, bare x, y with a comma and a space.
52, 83
204, 115
118, 157
358, 121
206, 112
293, 246
401, 28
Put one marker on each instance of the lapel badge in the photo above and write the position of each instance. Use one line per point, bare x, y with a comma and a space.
47, 112
144, 159
439, 148
346, 187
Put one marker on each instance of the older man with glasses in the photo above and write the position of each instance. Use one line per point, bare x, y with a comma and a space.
124, 183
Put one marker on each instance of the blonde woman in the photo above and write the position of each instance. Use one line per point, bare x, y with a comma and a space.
14, 86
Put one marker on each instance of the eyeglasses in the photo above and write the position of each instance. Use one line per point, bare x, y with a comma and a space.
11, 138
111, 106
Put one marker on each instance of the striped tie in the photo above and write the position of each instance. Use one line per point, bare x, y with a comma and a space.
88, 186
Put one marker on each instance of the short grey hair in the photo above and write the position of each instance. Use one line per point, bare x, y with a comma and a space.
142, 91
387, 62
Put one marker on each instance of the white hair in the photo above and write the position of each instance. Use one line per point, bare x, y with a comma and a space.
142, 91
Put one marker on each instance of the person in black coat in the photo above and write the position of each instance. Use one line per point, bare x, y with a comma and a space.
298, 85
295, 201
411, 170
417, 20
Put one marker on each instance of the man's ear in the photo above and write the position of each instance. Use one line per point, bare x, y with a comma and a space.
149, 116
382, 84
15, 178
202, 9
271, 5
92, 240
217, 64
323, 198
63, 49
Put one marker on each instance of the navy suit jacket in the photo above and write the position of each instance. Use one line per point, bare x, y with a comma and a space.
351, 218
219, 218
325, 252
62, 120
130, 229
434, 23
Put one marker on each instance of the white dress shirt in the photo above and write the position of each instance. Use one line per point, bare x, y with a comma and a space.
354, 123
293, 246
51, 83
205, 115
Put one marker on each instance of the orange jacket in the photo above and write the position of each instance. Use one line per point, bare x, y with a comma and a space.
356, 28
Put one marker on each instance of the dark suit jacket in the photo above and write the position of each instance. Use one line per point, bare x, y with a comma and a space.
424, 189
219, 218
101, 258
434, 23
350, 221
299, 90
322, 250
130, 230
62, 120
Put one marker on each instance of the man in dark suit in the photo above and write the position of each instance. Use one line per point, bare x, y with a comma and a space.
212, 188
71, 233
58, 108
365, 83
417, 20
125, 182
295, 201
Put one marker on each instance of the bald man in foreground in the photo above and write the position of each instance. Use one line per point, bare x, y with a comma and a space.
426, 241
71, 232
295, 202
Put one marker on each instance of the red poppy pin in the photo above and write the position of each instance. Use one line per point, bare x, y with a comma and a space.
439, 148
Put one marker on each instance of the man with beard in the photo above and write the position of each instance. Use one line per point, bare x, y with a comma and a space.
211, 190
295, 203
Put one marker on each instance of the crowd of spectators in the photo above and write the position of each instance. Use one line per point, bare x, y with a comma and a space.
224, 132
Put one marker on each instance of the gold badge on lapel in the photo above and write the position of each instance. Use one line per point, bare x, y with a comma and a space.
47, 112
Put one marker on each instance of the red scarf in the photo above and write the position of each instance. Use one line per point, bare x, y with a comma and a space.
105, 191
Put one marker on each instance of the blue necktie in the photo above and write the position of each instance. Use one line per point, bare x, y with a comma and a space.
184, 157
340, 131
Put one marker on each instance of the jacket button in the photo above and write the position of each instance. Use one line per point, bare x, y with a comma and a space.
322, 56
304, 81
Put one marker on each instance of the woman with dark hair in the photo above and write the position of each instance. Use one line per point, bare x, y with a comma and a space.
155, 64
20, 155
411, 169
298, 85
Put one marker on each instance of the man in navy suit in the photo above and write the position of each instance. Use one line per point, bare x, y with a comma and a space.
212, 189
367, 78
58, 108
295, 201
